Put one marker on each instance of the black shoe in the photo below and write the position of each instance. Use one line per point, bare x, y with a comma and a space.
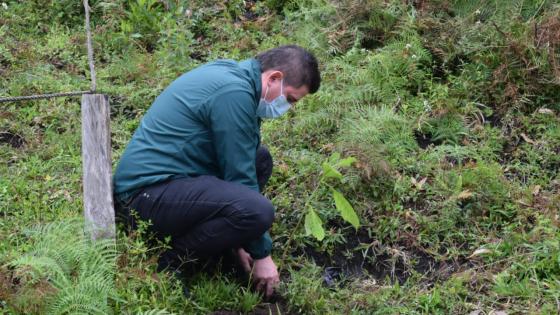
179, 275
171, 264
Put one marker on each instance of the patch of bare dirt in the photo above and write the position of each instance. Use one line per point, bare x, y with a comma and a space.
397, 263
13, 139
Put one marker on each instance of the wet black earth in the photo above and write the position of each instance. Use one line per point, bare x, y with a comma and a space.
397, 267
425, 140
12, 139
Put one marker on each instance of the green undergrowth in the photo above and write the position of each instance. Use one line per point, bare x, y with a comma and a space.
451, 110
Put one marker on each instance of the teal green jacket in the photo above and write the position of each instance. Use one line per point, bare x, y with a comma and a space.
204, 123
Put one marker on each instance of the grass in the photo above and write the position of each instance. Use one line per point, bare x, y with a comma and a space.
450, 108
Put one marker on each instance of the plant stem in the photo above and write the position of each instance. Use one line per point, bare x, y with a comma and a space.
305, 206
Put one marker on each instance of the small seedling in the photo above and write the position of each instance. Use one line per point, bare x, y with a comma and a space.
329, 176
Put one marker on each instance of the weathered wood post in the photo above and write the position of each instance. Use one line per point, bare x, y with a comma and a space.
96, 158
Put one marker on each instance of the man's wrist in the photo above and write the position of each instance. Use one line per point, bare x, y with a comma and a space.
263, 259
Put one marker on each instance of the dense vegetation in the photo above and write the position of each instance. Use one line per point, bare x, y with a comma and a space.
450, 108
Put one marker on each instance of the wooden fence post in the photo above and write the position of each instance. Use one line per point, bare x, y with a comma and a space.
96, 158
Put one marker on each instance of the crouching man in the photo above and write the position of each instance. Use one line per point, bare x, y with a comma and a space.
195, 167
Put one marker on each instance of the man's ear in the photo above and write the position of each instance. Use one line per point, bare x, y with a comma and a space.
276, 75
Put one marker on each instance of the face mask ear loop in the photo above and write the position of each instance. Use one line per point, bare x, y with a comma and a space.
266, 92
282, 86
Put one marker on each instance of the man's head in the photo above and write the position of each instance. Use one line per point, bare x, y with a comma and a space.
294, 67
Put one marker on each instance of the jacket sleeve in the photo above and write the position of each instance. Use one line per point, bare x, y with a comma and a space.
259, 248
235, 133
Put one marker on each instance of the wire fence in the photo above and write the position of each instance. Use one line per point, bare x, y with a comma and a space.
93, 87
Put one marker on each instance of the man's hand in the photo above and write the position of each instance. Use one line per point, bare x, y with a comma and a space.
265, 275
244, 259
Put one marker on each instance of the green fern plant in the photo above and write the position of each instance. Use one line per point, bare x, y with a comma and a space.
454, 154
79, 271
447, 129
155, 312
526, 9
364, 79
378, 134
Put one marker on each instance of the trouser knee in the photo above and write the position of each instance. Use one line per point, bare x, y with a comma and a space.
265, 215
258, 215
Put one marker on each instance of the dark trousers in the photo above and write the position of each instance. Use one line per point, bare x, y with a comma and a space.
204, 215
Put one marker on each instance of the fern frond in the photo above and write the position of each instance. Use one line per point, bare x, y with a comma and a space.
80, 269
35, 268
378, 133
156, 312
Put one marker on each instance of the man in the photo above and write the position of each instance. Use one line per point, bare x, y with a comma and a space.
195, 168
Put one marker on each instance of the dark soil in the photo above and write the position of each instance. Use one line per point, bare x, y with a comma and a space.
6, 284
198, 55
13, 139
118, 109
248, 12
425, 140
395, 267
495, 120
57, 62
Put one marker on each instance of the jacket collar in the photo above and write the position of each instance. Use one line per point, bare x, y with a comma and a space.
253, 69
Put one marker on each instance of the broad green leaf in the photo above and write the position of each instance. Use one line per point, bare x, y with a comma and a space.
334, 157
345, 209
346, 162
314, 225
329, 171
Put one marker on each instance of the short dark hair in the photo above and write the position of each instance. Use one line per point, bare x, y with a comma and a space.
299, 66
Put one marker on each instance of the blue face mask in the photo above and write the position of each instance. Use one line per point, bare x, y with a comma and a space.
275, 108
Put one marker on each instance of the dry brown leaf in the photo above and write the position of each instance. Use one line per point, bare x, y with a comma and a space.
465, 194
523, 202
546, 111
480, 251
329, 147
418, 184
536, 190
5, 114
527, 139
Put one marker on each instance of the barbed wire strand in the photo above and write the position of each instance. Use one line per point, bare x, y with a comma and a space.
66, 94
42, 96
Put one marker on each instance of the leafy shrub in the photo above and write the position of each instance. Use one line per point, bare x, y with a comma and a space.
65, 12
507, 55
145, 20
280, 5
